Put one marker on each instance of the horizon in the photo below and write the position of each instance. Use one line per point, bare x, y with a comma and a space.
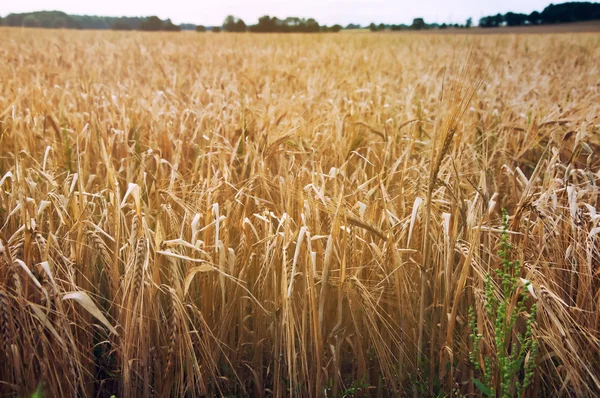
328, 12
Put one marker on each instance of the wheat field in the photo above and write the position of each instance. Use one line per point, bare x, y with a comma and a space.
297, 215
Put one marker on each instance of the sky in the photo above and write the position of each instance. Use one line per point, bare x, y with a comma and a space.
327, 12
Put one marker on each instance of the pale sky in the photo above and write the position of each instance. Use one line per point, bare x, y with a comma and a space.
327, 12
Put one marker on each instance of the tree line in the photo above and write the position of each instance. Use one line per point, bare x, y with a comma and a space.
61, 20
554, 13
419, 24
268, 24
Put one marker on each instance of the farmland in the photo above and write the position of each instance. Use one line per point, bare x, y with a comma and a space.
311, 215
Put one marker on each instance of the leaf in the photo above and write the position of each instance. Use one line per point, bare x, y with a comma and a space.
38, 393
594, 232
46, 267
413, 217
517, 364
39, 314
6, 176
529, 286
28, 272
86, 302
486, 391
191, 273
133, 190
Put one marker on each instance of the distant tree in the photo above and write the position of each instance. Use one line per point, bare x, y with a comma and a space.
312, 25
150, 24
353, 26
121, 24
11, 20
485, 22
265, 24
59, 23
229, 24
14, 20
293, 22
287, 25
134, 22
215, 29
514, 19
57, 19
240, 26
418, 24
170, 26
30, 22
535, 18
381, 27
200, 28
335, 28
443, 26
554, 13
570, 12
233, 24
373, 27
187, 26
469, 23
498, 20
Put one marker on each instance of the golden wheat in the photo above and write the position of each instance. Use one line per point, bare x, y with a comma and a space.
272, 215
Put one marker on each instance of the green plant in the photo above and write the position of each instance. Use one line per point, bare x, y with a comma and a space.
356, 388
510, 371
38, 393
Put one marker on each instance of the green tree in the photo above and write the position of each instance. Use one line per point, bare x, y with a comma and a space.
200, 28
170, 26
312, 25
293, 22
229, 24
535, 18
418, 24
469, 23
120, 24
233, 24
265, 24
514, 19
59, 23
31, 22
151, 24
498, 19
240, 26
